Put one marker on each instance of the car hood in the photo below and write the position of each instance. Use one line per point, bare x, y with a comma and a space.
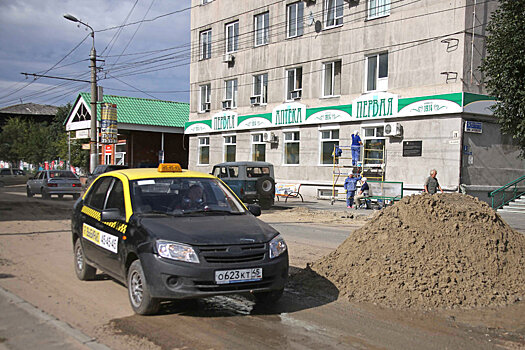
209, 230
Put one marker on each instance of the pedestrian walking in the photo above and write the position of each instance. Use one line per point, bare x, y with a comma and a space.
363, 192
350, 187
431, 183
356, 147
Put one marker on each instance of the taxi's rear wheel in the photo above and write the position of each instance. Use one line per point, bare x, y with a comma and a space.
84, 271
139, 296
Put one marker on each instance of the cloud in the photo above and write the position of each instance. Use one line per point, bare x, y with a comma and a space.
34, 36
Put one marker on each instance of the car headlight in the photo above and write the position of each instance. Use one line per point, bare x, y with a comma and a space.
177, 251
277, 246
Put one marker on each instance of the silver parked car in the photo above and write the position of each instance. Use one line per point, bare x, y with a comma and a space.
58, 182
9, 176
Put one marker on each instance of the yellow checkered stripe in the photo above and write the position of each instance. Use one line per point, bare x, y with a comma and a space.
119, 226
91, 212
116, 225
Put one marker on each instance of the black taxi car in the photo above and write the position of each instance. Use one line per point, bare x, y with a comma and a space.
168, 233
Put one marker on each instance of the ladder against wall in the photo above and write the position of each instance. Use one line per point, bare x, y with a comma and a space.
371, 165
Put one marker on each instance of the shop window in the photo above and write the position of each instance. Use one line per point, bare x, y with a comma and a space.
291, 147
374, 146
332, 79
232, 37
260, 89
333, 13
204, 98
258, 148
294, 83
376, 73
230, 94
261, 28
230, 145
329, 139
294, 19
205, 44
204, 150
378, 8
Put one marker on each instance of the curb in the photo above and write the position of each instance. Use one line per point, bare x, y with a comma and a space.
64, 327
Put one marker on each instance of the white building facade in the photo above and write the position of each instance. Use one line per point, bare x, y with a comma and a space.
288, 81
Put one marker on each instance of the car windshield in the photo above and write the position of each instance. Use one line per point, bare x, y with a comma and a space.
62, 174
181, 196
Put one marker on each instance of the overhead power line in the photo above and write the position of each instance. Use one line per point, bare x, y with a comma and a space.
45, 72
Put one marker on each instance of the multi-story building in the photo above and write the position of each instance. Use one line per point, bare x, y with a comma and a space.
287, 81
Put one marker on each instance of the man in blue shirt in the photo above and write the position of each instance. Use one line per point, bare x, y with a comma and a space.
363, 192
356, 147
350, 187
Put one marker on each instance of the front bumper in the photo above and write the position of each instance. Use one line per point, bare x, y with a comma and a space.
168, 279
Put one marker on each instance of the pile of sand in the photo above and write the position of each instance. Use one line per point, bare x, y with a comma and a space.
441, 251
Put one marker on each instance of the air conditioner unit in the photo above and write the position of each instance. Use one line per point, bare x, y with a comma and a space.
269, 136
255, 100
227, 57
227, 104
296, 94
392, 129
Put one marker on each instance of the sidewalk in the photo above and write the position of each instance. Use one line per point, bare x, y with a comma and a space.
319, 204
23, 326
515, 220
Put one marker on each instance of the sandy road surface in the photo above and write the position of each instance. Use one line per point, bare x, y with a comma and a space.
36, 264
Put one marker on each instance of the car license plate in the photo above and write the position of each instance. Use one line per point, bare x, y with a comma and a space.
236, 276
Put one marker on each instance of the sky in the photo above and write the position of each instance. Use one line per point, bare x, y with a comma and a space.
149, 59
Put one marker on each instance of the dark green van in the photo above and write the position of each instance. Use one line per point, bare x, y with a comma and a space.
251, 181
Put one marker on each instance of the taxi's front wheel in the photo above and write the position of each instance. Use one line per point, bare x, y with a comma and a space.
139, 296
84, 271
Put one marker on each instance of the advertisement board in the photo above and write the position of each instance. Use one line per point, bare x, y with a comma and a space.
108, 124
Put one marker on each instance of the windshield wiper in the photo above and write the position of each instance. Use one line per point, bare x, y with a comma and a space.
207, 210
156, 212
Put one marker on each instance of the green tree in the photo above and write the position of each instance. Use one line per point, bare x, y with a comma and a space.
12, 140
38, 146
505, 67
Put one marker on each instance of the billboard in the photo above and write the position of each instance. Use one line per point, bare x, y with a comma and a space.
108, 125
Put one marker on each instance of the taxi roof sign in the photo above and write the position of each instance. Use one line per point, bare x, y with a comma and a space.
169, 168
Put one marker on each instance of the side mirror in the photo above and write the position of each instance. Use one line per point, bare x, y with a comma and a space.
112, 214
255, 209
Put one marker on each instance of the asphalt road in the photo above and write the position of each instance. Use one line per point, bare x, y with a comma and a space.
36, 264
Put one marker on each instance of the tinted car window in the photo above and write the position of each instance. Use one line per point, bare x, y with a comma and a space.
257, 171
19, 172
219, 172
233, 171
62, 174
5, 172
97, 194
178, 195
116, 197
42, 175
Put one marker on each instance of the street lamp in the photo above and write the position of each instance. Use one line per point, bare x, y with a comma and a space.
93, 159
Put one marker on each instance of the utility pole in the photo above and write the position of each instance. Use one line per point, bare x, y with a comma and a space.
93, 153
93, 159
